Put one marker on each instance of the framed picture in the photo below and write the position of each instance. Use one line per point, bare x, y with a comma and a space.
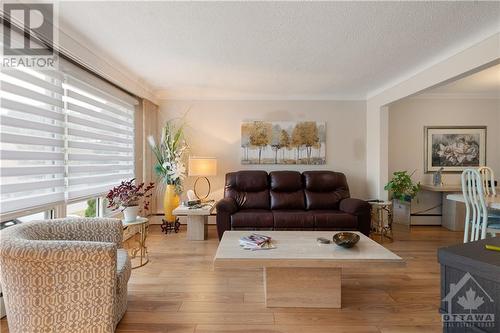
283, 142
454, 148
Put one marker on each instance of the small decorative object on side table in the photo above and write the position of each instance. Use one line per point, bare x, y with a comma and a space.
382, 219
141, 249
197, 218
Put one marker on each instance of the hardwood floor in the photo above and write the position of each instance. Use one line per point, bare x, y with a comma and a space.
178, 292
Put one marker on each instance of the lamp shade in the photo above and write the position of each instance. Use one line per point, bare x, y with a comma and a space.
202, 166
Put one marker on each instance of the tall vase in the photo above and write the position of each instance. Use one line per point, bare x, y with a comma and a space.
170, 202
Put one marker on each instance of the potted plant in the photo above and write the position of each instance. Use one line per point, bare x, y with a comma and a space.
402, 187
403, 190
170, 165
127, 197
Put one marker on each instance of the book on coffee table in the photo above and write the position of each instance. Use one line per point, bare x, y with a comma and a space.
256, 242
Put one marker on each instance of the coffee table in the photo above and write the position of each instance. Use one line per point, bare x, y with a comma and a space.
299, 272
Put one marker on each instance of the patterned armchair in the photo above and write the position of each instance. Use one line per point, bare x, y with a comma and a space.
64, 275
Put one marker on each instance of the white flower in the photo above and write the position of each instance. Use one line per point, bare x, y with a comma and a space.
151, 141
177, 171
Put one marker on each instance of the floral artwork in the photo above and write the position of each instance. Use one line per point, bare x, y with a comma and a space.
283, 142
455, 149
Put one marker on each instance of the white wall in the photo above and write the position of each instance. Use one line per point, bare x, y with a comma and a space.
471, 59
408, 117
214, 130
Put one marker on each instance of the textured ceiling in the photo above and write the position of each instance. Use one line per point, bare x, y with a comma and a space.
483, 84
296, 50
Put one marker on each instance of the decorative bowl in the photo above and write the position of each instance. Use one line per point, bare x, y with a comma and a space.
346, 239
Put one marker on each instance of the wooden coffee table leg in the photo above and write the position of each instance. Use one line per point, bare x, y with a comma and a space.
197, 227
302, 287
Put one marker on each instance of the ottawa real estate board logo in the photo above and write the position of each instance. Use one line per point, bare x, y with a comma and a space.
28, 36
468, 305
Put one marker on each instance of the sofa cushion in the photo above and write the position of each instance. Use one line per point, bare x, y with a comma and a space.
333, 219
288, 200
293, 219
324, 189
324, 181
323, 200
249, 189
285, 181
252, 218
252, 181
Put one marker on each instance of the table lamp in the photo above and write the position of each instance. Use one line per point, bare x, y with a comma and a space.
202, 167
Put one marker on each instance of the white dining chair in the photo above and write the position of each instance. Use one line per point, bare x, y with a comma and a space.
488, 180
476, 213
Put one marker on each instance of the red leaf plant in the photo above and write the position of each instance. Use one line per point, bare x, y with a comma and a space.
128, 194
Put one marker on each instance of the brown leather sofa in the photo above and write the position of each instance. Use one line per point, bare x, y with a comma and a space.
290, 200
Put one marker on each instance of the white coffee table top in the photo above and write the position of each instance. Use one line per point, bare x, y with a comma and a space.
184, 210
300, 249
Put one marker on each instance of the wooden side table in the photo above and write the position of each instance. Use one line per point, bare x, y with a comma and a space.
382, 219
197, 219
141, 248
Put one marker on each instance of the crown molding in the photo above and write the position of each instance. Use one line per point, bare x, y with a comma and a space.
457, 96
229, 96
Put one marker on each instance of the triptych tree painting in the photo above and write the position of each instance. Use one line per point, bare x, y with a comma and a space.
283, 142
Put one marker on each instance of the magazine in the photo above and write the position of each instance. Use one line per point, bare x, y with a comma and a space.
256, 242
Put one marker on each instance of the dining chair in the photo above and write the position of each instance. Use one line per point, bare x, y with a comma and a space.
488, 180
477, 224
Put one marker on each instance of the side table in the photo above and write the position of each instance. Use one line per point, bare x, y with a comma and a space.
141, 248
382, 219
197, 218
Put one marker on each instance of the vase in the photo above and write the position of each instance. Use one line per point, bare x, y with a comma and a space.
170, 202
130, 213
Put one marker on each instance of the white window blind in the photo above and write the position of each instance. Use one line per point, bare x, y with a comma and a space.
100, 139
65, 135
32, 139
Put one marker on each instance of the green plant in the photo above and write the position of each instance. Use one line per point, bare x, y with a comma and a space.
402, 187
90, 211
170, 153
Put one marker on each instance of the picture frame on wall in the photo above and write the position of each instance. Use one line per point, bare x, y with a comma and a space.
283, 142
454, 148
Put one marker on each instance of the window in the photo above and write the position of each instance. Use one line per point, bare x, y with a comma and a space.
84, 208
100, 139
65, 135
44, 215
32, 143
37, 216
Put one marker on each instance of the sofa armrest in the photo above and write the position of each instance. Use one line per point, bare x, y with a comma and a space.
225, 208
361, 209
227, 205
